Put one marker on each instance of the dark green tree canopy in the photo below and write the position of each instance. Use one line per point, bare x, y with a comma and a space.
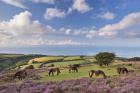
104, 58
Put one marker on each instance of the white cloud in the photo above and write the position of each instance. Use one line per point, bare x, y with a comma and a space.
64, 42
73, 32
127, 22
127, 27
44, 1
20, 28
81, 6
107, 15
16, 3
21, 24
68, 31
21, 31
91, 34
54, 13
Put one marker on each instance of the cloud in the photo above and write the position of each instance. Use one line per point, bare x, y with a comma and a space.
127, 22
16, 3
54, 13
91, 34
41, 41
127, 27
21, 24
80, 6
22, 31
20, 28
44, 1
64, 42
107, 16
73, 32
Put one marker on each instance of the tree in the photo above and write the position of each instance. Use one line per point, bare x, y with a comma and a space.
104, 58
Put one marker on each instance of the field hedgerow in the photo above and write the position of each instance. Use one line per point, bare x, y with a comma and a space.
126, 84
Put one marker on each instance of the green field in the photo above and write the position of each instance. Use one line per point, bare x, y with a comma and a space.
87, 63
83, 72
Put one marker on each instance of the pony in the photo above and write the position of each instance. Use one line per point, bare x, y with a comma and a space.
20, 75
122, 70
97, 73
52, 70
73, 68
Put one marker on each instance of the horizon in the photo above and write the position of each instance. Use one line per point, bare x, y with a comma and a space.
126, 52
70, 27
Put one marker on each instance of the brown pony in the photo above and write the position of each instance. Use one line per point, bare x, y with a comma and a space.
97, 73
52, 70
122, 70
20, 75
73, 68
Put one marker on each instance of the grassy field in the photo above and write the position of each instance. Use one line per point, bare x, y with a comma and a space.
44, 59
83, 72
87, 62
65, 62
57, 64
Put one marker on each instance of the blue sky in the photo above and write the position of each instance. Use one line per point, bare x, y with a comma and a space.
105, 23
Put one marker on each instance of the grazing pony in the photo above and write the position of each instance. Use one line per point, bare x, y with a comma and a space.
52, 70
73, 68
97, 73
122, 70
20, 75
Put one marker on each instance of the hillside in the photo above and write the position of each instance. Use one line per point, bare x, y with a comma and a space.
13, 60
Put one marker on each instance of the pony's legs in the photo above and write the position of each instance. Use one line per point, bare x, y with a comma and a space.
57, 72
49, 73
70, 70
52, 73
91, 74
76, 70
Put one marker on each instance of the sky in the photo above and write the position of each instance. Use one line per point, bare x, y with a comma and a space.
70, 24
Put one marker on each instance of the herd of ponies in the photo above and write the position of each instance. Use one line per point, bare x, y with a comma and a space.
22, 74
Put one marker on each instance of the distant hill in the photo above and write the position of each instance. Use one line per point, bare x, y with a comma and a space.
121, 58
13, 60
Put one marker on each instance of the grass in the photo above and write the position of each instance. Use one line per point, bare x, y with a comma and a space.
83, 72
58, 64
72, 58
66, 63
44, 59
